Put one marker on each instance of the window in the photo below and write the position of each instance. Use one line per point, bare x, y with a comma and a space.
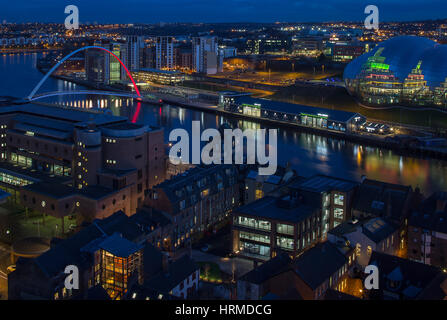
205, 192
285, 228
358, 249
254, 237
253, 223
259, 194
285, 242
339, 199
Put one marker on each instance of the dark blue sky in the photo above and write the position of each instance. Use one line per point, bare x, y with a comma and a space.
153, 11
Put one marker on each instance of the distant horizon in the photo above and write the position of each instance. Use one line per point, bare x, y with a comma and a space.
81, 23
214, 11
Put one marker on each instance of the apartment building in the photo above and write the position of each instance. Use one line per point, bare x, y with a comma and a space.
196, 201
164, 53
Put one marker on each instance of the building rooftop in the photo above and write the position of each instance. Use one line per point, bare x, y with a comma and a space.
277, 209
268, 269
411, 277
75, 249
317, 264
119, 246
63, 191
153, 70
431, 214
177, 271
186, 185
378, 229
381, 199
67, 114
321, 183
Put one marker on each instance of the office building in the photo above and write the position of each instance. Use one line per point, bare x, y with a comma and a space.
266, 226
148, 75
63, 161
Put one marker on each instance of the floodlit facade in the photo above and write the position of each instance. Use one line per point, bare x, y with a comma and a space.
405, 70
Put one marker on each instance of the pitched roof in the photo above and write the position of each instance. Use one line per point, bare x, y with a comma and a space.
381, 199
322, 183
267, 270
378, 229
119, 246
75, 249
317, 264
178, 271
186, 187
413, 276
431, 214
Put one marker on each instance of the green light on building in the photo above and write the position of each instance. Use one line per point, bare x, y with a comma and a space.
382, 66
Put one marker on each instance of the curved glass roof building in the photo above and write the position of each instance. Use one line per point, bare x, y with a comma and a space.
405, 70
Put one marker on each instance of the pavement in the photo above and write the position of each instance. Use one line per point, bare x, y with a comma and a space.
228, 265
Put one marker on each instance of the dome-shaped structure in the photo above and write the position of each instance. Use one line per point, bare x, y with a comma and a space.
406, 70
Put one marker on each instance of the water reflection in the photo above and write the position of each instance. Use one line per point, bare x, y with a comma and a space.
307, 153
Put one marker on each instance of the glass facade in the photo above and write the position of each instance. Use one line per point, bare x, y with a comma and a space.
405, 70
254, 237
256, 250
285, 243
285, 228
115, 66
253, 223
115, 272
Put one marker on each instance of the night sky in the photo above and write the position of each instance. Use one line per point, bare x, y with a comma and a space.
154, 11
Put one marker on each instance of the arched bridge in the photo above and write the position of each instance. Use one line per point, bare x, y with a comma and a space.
79, 92
32, 96
47, 75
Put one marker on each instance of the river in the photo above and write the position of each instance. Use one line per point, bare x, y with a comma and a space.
307, 153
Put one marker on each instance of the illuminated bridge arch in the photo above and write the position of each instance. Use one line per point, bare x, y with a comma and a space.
31, 95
